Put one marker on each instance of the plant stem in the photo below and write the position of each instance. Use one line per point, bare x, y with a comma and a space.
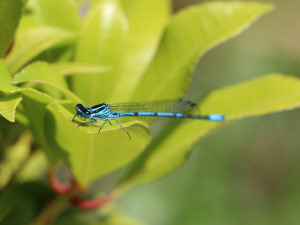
53, 210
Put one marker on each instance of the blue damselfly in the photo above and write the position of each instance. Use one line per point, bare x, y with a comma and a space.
154, 109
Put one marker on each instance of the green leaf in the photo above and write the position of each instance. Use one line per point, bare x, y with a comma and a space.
39, 72
263, 95
31, 42
72, 68
102, 42
8, 88
34, 105
145, 31
8, 105
89, 154
5, 76
53, 13
29, 20
5, 80
10, 14
190, 34
42, 73
271, 93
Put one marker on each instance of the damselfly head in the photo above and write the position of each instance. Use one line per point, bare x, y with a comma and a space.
82, 111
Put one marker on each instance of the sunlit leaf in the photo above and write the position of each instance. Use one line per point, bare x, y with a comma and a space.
5, 76
190, 34
260, 96
39, 72
78, 68
31, 42
145, 31
267, 94
53, 13
8, 105
42, 73
102, 42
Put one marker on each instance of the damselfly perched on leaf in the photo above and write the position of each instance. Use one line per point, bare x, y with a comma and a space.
155, 109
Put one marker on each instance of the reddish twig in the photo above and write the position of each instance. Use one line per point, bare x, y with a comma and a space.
9, 48
90, 204
58, 187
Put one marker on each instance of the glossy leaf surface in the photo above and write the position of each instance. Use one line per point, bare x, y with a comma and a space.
102, 42
31, 42
147, 21
189, 35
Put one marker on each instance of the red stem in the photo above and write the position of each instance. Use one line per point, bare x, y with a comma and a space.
9, 48
90, 204
58, 187
64, 189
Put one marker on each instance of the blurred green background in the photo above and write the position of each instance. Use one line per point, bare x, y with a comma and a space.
247, 172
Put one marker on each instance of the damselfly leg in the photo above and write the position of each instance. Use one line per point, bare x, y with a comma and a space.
103, 125
123, 128
80, 124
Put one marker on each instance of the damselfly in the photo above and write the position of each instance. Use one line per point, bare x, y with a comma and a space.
167, 108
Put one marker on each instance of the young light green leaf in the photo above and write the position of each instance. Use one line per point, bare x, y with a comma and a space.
145, 31
263, 95
31, 42
8, 105
9, 98
267, 94
42, 73
190, 34
5, 76
39, 72
10, 14
72, 68
53, 13
92, 155
102, 42
5, 80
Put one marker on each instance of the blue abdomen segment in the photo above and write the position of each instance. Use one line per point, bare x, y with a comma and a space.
216, 117
154, 114
211, 117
